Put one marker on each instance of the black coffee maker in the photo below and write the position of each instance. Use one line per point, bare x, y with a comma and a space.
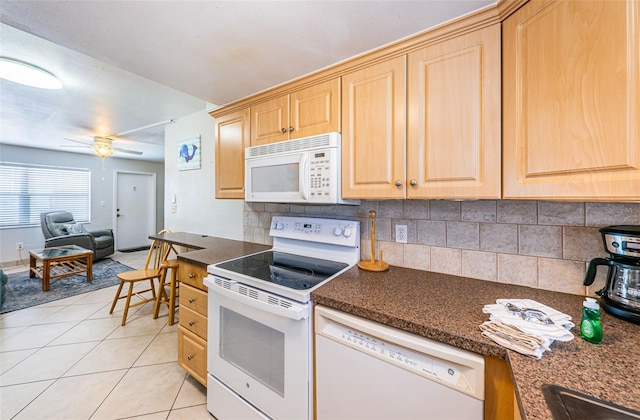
621, 295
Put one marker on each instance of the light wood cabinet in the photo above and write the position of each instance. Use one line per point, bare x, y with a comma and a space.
452, 150
192, 355
374, 130
192, 331
232, 136
453, 143
500, 400
306, 112
571, 92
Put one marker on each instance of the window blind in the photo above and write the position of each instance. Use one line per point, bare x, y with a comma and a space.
28, 190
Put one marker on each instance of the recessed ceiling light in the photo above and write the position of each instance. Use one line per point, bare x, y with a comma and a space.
27, 74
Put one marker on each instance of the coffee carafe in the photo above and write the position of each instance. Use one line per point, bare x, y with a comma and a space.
621, 295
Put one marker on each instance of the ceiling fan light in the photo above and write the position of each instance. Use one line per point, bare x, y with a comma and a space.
102, 150
27, 74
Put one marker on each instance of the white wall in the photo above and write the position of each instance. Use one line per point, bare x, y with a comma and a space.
101, 190
197, 209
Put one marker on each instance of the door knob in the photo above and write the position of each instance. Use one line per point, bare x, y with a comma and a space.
413, 182
290, 129
398, 183
284, 130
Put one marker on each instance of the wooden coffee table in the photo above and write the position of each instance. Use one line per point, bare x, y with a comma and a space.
54, 263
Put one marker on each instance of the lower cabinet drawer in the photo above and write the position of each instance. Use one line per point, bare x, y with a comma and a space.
193, 321
192, 275
193, 298
192, 354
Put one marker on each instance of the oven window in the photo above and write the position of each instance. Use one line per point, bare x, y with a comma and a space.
275, 178
254, 348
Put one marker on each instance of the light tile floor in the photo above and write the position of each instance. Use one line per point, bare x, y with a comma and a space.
69, 359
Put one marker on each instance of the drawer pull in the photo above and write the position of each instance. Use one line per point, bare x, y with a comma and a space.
191, 300
192, 323
189, 357
191, 275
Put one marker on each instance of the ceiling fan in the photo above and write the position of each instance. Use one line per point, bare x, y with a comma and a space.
102, 146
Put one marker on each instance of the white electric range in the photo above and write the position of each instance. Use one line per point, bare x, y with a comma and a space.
260, 325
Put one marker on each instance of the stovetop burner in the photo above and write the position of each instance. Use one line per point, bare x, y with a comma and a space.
289, 270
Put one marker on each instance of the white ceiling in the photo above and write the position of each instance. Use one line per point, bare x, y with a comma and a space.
129, 64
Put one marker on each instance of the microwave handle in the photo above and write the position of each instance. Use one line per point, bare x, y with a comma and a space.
304, 176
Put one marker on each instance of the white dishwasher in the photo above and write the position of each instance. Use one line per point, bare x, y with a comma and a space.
366, 370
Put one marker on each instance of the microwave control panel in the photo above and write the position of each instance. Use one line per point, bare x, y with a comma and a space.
322, 174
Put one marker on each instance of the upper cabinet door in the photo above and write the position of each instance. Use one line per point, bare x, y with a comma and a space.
232, 136
453, 146
374, 131
270, 121
571, 91
315, 110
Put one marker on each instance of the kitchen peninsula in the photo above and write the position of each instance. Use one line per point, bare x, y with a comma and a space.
449, 309
203, 250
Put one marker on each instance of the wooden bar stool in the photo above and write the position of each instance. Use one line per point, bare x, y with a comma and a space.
152, 270
161, 295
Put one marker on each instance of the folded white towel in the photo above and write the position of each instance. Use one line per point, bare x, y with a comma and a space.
527, 337
513, 339
559, 330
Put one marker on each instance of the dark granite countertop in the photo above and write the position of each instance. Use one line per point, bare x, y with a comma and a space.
209, 249
449, 309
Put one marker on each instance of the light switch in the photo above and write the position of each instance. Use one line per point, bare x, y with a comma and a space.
174, 207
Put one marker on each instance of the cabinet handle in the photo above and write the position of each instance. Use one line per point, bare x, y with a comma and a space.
398, 183
189, 357
284, 130
191, 275
413, 182
192, 323
191, 300
291, 128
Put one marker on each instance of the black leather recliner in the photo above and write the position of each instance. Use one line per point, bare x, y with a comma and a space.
57, 230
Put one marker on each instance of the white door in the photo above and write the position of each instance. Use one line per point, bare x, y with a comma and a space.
135, 205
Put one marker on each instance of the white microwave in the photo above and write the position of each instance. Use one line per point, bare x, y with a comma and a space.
305, 170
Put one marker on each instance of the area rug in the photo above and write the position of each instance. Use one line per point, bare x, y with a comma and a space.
24, 292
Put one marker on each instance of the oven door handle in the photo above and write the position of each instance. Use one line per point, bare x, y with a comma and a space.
294, 311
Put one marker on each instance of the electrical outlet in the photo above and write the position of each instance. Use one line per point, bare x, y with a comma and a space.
401, 234
19, 245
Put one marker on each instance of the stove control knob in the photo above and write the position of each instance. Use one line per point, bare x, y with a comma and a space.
278, 226
347, 232
337, 231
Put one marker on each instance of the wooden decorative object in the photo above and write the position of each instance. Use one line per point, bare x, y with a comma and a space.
372, 264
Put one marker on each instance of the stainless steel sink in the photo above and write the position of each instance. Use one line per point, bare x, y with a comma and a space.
566, 404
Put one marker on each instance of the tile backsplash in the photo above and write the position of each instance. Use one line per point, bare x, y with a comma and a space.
540, 244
